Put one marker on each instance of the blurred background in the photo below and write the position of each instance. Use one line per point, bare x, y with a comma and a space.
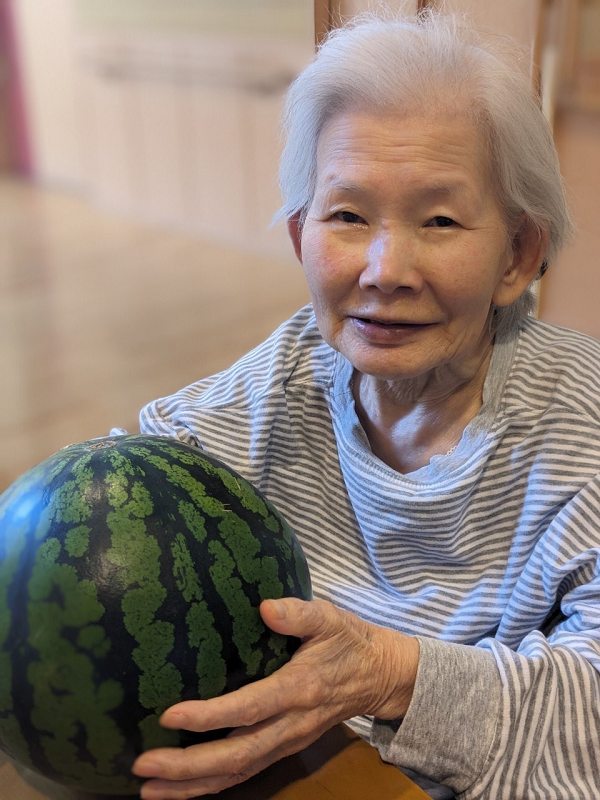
139, 142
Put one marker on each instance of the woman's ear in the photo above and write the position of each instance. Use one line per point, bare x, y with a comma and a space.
528, 249
295, 231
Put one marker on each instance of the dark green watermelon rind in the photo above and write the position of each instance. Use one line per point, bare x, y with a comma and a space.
17, 516
10, 729
64, 727
65, 700
237, 549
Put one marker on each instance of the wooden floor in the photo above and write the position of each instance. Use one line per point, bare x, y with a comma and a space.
100, 315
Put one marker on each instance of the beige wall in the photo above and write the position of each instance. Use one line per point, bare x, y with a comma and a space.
239, 17
517, 18
165, 112
590, 29
520, 19
348, 8
570, 290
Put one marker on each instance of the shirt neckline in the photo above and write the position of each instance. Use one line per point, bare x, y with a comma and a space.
477, 432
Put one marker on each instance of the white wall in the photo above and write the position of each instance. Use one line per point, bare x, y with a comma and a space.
167, 124
186, 133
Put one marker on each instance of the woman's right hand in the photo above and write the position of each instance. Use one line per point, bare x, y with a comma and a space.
344, 667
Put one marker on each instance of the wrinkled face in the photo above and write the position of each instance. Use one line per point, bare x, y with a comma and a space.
404, 246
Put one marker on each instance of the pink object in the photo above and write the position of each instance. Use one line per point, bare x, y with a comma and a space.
22, 156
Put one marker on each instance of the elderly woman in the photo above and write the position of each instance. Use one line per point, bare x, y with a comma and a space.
433, 445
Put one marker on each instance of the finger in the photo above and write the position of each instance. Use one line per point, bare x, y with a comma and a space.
232, 754
229, 771
301, 618
213, 766
155, 763
246, 706
196, 761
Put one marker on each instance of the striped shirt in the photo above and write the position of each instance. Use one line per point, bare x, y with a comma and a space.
490, 555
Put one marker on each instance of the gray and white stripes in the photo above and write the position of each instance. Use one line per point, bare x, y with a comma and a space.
496, 547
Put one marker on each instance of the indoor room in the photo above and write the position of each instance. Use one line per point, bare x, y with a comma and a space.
373, 328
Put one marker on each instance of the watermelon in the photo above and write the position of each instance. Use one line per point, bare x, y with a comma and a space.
131, 571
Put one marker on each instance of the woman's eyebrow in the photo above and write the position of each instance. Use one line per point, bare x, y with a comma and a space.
445, 189
431, 190
335, 185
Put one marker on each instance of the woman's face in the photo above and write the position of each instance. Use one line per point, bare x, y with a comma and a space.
404, 246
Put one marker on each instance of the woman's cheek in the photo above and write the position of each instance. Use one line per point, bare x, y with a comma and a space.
323, 267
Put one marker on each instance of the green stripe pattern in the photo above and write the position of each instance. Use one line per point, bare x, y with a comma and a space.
131, 571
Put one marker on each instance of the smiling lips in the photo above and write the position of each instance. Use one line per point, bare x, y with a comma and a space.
379, 332
391, 323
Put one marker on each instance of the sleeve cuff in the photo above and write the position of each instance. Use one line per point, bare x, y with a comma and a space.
448, 729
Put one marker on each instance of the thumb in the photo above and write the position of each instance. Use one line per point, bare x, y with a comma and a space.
294, 617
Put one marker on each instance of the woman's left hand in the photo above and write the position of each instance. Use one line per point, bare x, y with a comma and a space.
344, 667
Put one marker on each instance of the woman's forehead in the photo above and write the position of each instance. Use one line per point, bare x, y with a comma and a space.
446, 151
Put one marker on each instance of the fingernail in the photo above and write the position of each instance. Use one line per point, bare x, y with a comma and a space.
278, 609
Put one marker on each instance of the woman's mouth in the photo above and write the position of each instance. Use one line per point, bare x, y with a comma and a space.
384, 331
384, 323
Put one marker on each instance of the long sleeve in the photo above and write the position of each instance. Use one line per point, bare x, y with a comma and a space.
521, 722
451, 723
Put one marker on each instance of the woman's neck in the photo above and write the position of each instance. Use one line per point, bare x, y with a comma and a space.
409, 421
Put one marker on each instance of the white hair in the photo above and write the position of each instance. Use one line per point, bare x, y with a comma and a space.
421, 64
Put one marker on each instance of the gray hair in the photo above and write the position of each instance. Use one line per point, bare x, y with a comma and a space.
382, 63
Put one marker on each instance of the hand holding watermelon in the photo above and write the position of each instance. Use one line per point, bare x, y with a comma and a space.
344, 667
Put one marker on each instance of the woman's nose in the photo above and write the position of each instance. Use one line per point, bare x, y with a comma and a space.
390, 265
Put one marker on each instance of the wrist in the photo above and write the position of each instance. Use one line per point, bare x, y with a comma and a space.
399, 662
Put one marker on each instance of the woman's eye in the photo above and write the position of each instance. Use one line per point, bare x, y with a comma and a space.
440, 222
349, 217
